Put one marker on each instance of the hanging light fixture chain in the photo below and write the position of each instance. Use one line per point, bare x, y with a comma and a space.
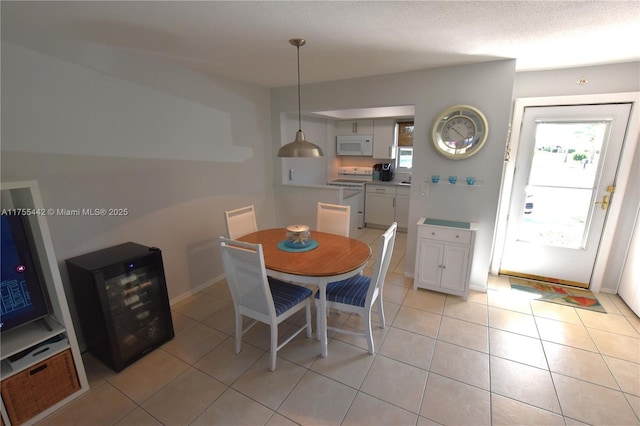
297, 42
299, 119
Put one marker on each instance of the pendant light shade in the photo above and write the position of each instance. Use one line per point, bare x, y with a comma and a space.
300, 147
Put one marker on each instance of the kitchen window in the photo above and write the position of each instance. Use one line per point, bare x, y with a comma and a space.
404, 159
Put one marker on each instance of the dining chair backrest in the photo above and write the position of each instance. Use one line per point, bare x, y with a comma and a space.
385, 251
333, 218
259, 297
241, 221
247, 277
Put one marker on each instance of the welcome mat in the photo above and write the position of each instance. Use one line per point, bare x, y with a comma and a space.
553, 293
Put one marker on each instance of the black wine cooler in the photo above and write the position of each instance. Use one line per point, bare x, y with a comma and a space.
121, 298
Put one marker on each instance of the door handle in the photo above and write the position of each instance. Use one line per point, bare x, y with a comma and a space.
604, 203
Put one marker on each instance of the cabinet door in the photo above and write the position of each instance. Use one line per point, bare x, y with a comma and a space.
354, 127
384, 139
402, 211
455, 264
429, 267
364, 127
345, 128
379, 209
354, 213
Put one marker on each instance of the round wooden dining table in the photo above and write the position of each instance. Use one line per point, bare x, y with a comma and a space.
335, 258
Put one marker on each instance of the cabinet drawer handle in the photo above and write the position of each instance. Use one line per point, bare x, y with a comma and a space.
39, 369
457, 236
433, 233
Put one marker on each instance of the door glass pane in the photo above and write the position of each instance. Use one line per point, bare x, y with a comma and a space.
559, 194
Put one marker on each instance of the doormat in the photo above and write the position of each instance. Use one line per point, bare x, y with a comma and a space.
553, 293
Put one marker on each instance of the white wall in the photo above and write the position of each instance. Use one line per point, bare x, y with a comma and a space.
487, 86
623, 269
173, 147
613, 78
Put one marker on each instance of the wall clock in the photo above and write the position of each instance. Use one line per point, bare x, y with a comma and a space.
459, 132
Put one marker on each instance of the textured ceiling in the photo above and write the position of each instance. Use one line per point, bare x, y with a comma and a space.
248, 41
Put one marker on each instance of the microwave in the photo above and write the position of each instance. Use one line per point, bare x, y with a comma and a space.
361, 145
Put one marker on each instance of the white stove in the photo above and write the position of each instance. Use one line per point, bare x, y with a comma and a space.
353, 180
353, 177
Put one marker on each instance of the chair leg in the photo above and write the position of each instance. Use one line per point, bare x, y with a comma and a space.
381, 312
368, 331
238, 332
274, 346
308, 316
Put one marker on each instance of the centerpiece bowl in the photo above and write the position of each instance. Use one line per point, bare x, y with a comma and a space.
298, 236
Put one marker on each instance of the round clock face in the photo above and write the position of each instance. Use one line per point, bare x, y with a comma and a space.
459, 132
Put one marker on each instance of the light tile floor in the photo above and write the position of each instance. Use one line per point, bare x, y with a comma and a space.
496, 359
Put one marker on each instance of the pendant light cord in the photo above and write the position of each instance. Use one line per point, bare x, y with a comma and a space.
299, 115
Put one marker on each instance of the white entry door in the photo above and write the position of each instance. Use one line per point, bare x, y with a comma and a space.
564, 179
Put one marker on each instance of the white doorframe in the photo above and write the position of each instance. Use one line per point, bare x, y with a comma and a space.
622, 178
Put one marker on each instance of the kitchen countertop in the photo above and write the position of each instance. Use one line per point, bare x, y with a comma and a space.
389, 183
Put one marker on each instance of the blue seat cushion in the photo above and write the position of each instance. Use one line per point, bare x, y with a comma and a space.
352, 291
285, 295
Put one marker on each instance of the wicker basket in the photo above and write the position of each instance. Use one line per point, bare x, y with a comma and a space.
37, 388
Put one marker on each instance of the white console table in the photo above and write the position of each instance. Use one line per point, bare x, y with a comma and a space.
444, 256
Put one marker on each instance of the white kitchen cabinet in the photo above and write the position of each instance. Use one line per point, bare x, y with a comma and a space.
384, 138
355, 199
380, 204
354, 127
444, 255
386, 204
402, 206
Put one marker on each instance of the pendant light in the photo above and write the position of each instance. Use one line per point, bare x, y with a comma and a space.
300, 147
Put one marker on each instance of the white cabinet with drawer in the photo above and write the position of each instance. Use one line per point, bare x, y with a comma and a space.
444, 256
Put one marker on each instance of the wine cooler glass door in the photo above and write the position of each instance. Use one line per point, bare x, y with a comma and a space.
136, 300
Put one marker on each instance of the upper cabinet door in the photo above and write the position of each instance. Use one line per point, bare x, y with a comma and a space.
355, 127
384, 138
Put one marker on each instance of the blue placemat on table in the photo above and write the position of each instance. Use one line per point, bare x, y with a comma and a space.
282, 245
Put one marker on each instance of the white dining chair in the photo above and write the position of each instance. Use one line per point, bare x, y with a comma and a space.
241, 221
261, 298
333, 218
358, 293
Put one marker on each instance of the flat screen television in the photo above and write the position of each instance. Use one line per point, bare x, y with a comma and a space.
22, 286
